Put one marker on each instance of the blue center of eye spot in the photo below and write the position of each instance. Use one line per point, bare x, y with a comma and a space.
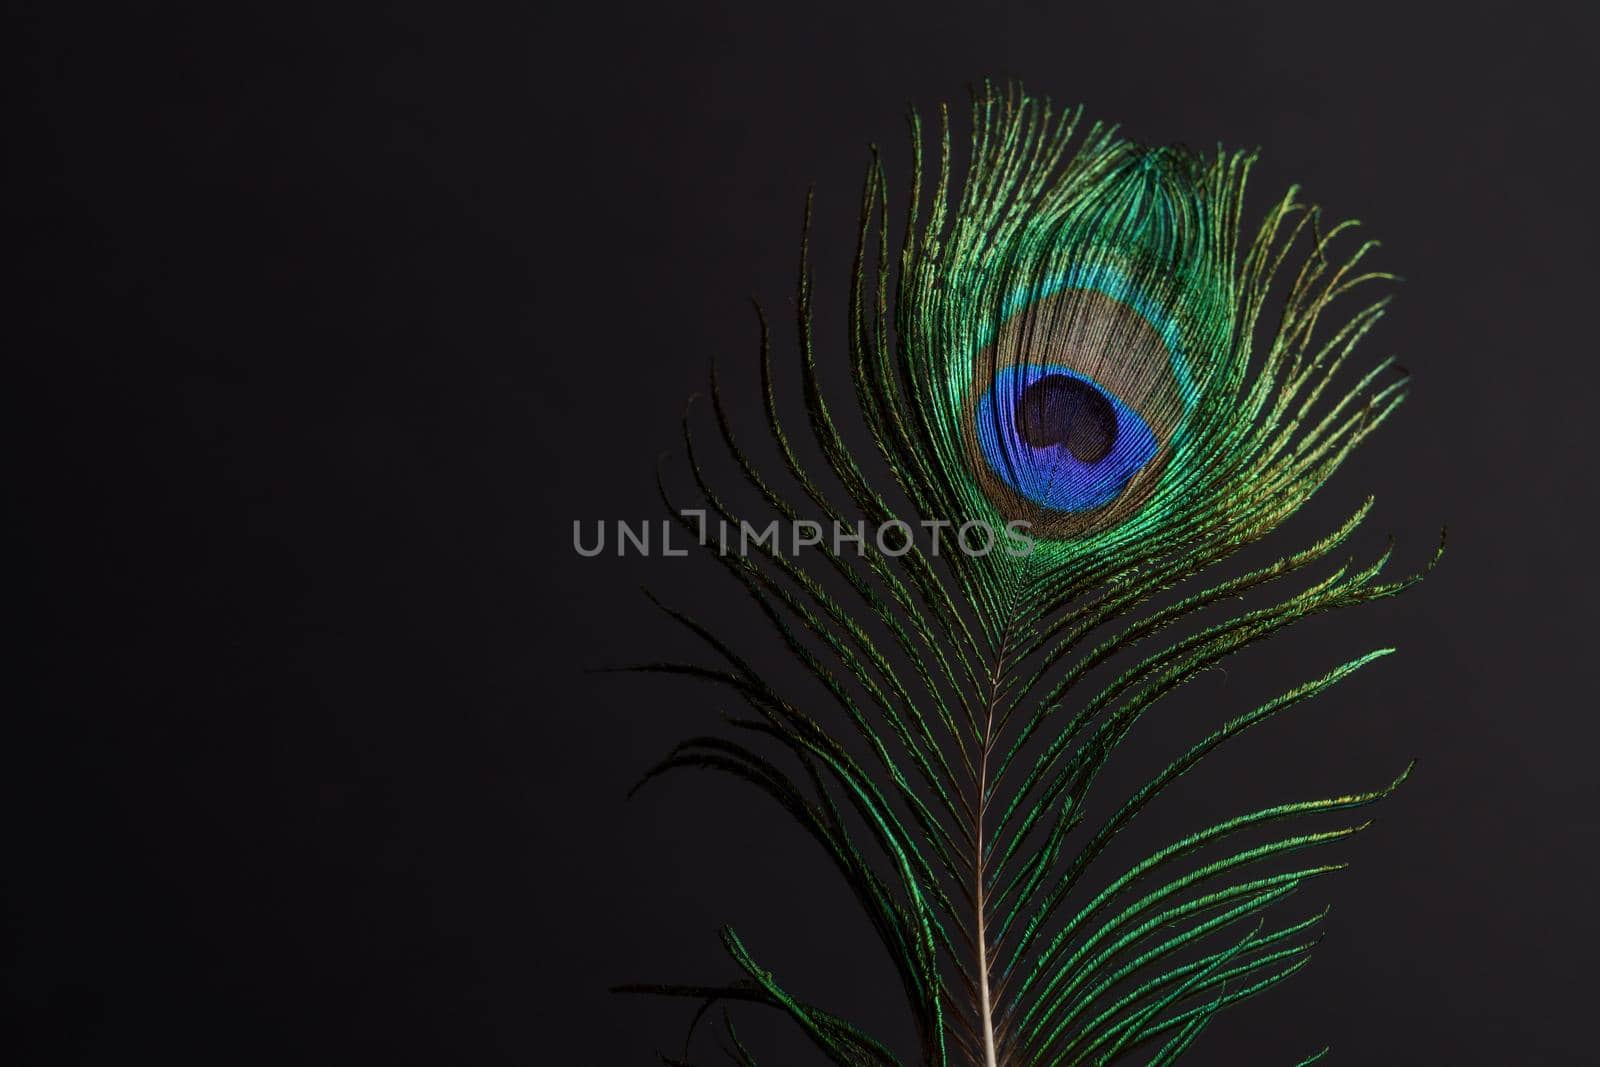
1060, 439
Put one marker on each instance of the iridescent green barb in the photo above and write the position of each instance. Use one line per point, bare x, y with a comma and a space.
1075, 351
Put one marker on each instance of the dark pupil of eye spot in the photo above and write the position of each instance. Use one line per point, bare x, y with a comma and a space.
1059, 410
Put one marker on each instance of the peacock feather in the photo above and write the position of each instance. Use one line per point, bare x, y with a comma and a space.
1073, 347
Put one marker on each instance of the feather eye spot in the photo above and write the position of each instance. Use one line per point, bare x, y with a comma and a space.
1074, 405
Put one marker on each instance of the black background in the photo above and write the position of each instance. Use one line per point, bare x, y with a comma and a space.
328, 325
